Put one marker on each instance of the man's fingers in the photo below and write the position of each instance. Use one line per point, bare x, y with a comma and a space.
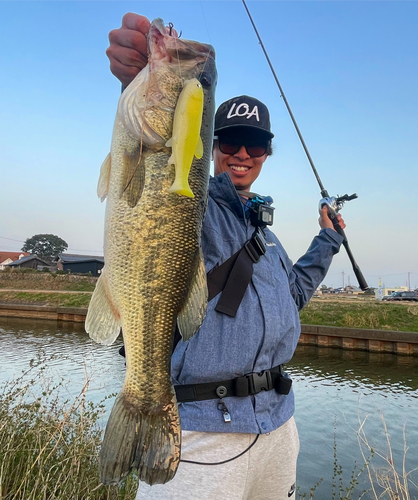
127, 56
136, 22
130, 39
125, 74
341, 222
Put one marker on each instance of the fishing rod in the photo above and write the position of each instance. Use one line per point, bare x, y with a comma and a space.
333, 203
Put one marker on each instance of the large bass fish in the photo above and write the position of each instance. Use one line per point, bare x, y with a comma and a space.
154, 275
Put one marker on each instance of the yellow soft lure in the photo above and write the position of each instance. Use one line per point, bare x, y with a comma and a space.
186, 142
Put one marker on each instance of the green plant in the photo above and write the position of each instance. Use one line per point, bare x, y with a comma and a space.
361, 313
50, 298
311, 491
338, 490
345, 492
49, 446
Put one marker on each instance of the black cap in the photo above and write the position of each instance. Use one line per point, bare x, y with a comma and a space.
243, 111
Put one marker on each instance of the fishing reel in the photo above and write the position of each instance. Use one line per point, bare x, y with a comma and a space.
335, 203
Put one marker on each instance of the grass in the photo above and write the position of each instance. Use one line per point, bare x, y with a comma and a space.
30, 279
392, 480
388, 476
79, 287
339, 489
361, 314
46, 298
49, 447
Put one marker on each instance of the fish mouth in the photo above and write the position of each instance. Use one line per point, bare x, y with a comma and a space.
162, 45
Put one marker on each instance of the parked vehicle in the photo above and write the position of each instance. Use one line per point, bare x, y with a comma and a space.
413, 295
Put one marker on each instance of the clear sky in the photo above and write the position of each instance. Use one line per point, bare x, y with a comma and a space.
349, 71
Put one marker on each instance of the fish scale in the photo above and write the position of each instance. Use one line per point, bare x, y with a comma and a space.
154, 276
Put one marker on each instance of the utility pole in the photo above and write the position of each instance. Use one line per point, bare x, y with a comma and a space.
409, 280
343, 279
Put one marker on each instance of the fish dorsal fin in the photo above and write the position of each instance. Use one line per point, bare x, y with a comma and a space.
104, 178
199, 148
102, 321
193, 312
133, 175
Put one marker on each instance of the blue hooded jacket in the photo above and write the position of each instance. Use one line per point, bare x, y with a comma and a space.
265, 331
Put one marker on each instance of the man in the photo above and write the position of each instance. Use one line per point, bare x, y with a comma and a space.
236, 406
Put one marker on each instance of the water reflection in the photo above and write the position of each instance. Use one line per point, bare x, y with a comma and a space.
67, 351
331, 385
336, 391
378, 371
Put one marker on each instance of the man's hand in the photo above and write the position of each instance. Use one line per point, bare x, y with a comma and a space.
325, 221
127, 51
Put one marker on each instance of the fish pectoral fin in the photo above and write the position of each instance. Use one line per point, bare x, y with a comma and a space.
133, 175
102, 321
199, 148
193, 312
104, 178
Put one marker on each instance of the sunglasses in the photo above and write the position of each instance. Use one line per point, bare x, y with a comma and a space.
230, 146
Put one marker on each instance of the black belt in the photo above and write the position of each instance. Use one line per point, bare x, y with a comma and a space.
247, 385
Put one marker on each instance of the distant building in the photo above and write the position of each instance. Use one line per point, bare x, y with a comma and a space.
80, 263
31, 262
9, 257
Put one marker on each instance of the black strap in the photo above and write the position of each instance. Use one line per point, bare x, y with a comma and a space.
247, 385
233, 276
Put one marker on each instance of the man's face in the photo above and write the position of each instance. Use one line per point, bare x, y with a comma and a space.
242, 168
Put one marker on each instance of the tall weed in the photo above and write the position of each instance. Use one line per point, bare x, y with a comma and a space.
391, 480
49, 446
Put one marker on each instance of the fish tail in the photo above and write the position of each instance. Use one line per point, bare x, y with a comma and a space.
149, 442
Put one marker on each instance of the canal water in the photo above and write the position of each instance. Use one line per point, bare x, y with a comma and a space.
336, 392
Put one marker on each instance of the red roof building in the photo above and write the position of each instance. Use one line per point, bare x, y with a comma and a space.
9, 257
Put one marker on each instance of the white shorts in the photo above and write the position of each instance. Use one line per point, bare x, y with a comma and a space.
266, 472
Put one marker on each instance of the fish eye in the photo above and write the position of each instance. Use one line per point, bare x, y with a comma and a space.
206, 80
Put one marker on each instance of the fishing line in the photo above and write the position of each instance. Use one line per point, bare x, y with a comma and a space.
171, 26
224, 461
207, 29
334, 203
206, 24
285, 100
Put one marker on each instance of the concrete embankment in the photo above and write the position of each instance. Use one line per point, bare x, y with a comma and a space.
360, 339
405, 343
76, 314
